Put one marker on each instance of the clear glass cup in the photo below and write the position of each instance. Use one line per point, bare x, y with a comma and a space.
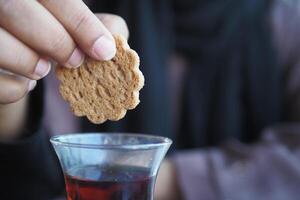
106, 166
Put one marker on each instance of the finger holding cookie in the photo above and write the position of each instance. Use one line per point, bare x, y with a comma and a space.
114, 23
34, 32
20, 67
31, 32
85, 28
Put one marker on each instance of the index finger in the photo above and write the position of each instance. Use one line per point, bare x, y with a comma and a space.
85, 28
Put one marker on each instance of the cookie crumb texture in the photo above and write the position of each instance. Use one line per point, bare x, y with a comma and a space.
103, 90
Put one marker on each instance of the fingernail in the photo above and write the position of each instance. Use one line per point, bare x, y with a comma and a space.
31, 85
104, 48
42, 68
76, 59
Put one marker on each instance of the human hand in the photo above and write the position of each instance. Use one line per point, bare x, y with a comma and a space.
33, 32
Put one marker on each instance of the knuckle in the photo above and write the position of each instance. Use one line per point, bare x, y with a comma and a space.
81, 19
58, 45
57, 42
25, 61
18, 59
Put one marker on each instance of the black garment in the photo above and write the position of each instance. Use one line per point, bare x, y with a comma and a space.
233, 87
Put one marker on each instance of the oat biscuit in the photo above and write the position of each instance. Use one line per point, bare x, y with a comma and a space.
103, 90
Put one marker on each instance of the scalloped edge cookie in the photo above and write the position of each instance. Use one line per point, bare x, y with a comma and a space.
103, 90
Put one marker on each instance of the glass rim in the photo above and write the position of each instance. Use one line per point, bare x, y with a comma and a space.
163, 141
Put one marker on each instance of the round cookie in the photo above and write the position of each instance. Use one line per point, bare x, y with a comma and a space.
103, 90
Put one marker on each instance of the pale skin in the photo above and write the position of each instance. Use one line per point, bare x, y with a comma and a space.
167, 187
34, 32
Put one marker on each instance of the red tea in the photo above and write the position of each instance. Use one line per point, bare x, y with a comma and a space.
109, 183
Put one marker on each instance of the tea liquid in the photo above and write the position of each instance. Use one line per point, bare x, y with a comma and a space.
109, 183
